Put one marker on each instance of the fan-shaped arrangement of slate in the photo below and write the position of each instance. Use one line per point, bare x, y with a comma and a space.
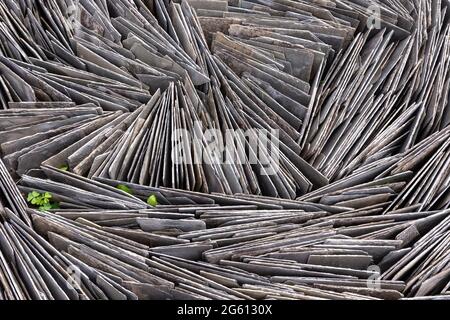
349, 195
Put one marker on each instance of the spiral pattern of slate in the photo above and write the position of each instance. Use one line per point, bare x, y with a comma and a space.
340, 112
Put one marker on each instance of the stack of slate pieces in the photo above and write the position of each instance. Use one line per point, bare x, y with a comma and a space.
199, 246
148, 84
339, 184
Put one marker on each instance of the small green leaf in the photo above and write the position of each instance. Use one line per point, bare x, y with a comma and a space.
42, 201
64, 168
124, 188
33, 195
45, 207
152, 200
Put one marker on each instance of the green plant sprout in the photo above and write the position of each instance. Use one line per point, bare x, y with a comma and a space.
43, 201
124, 188
64, 167
152, 200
